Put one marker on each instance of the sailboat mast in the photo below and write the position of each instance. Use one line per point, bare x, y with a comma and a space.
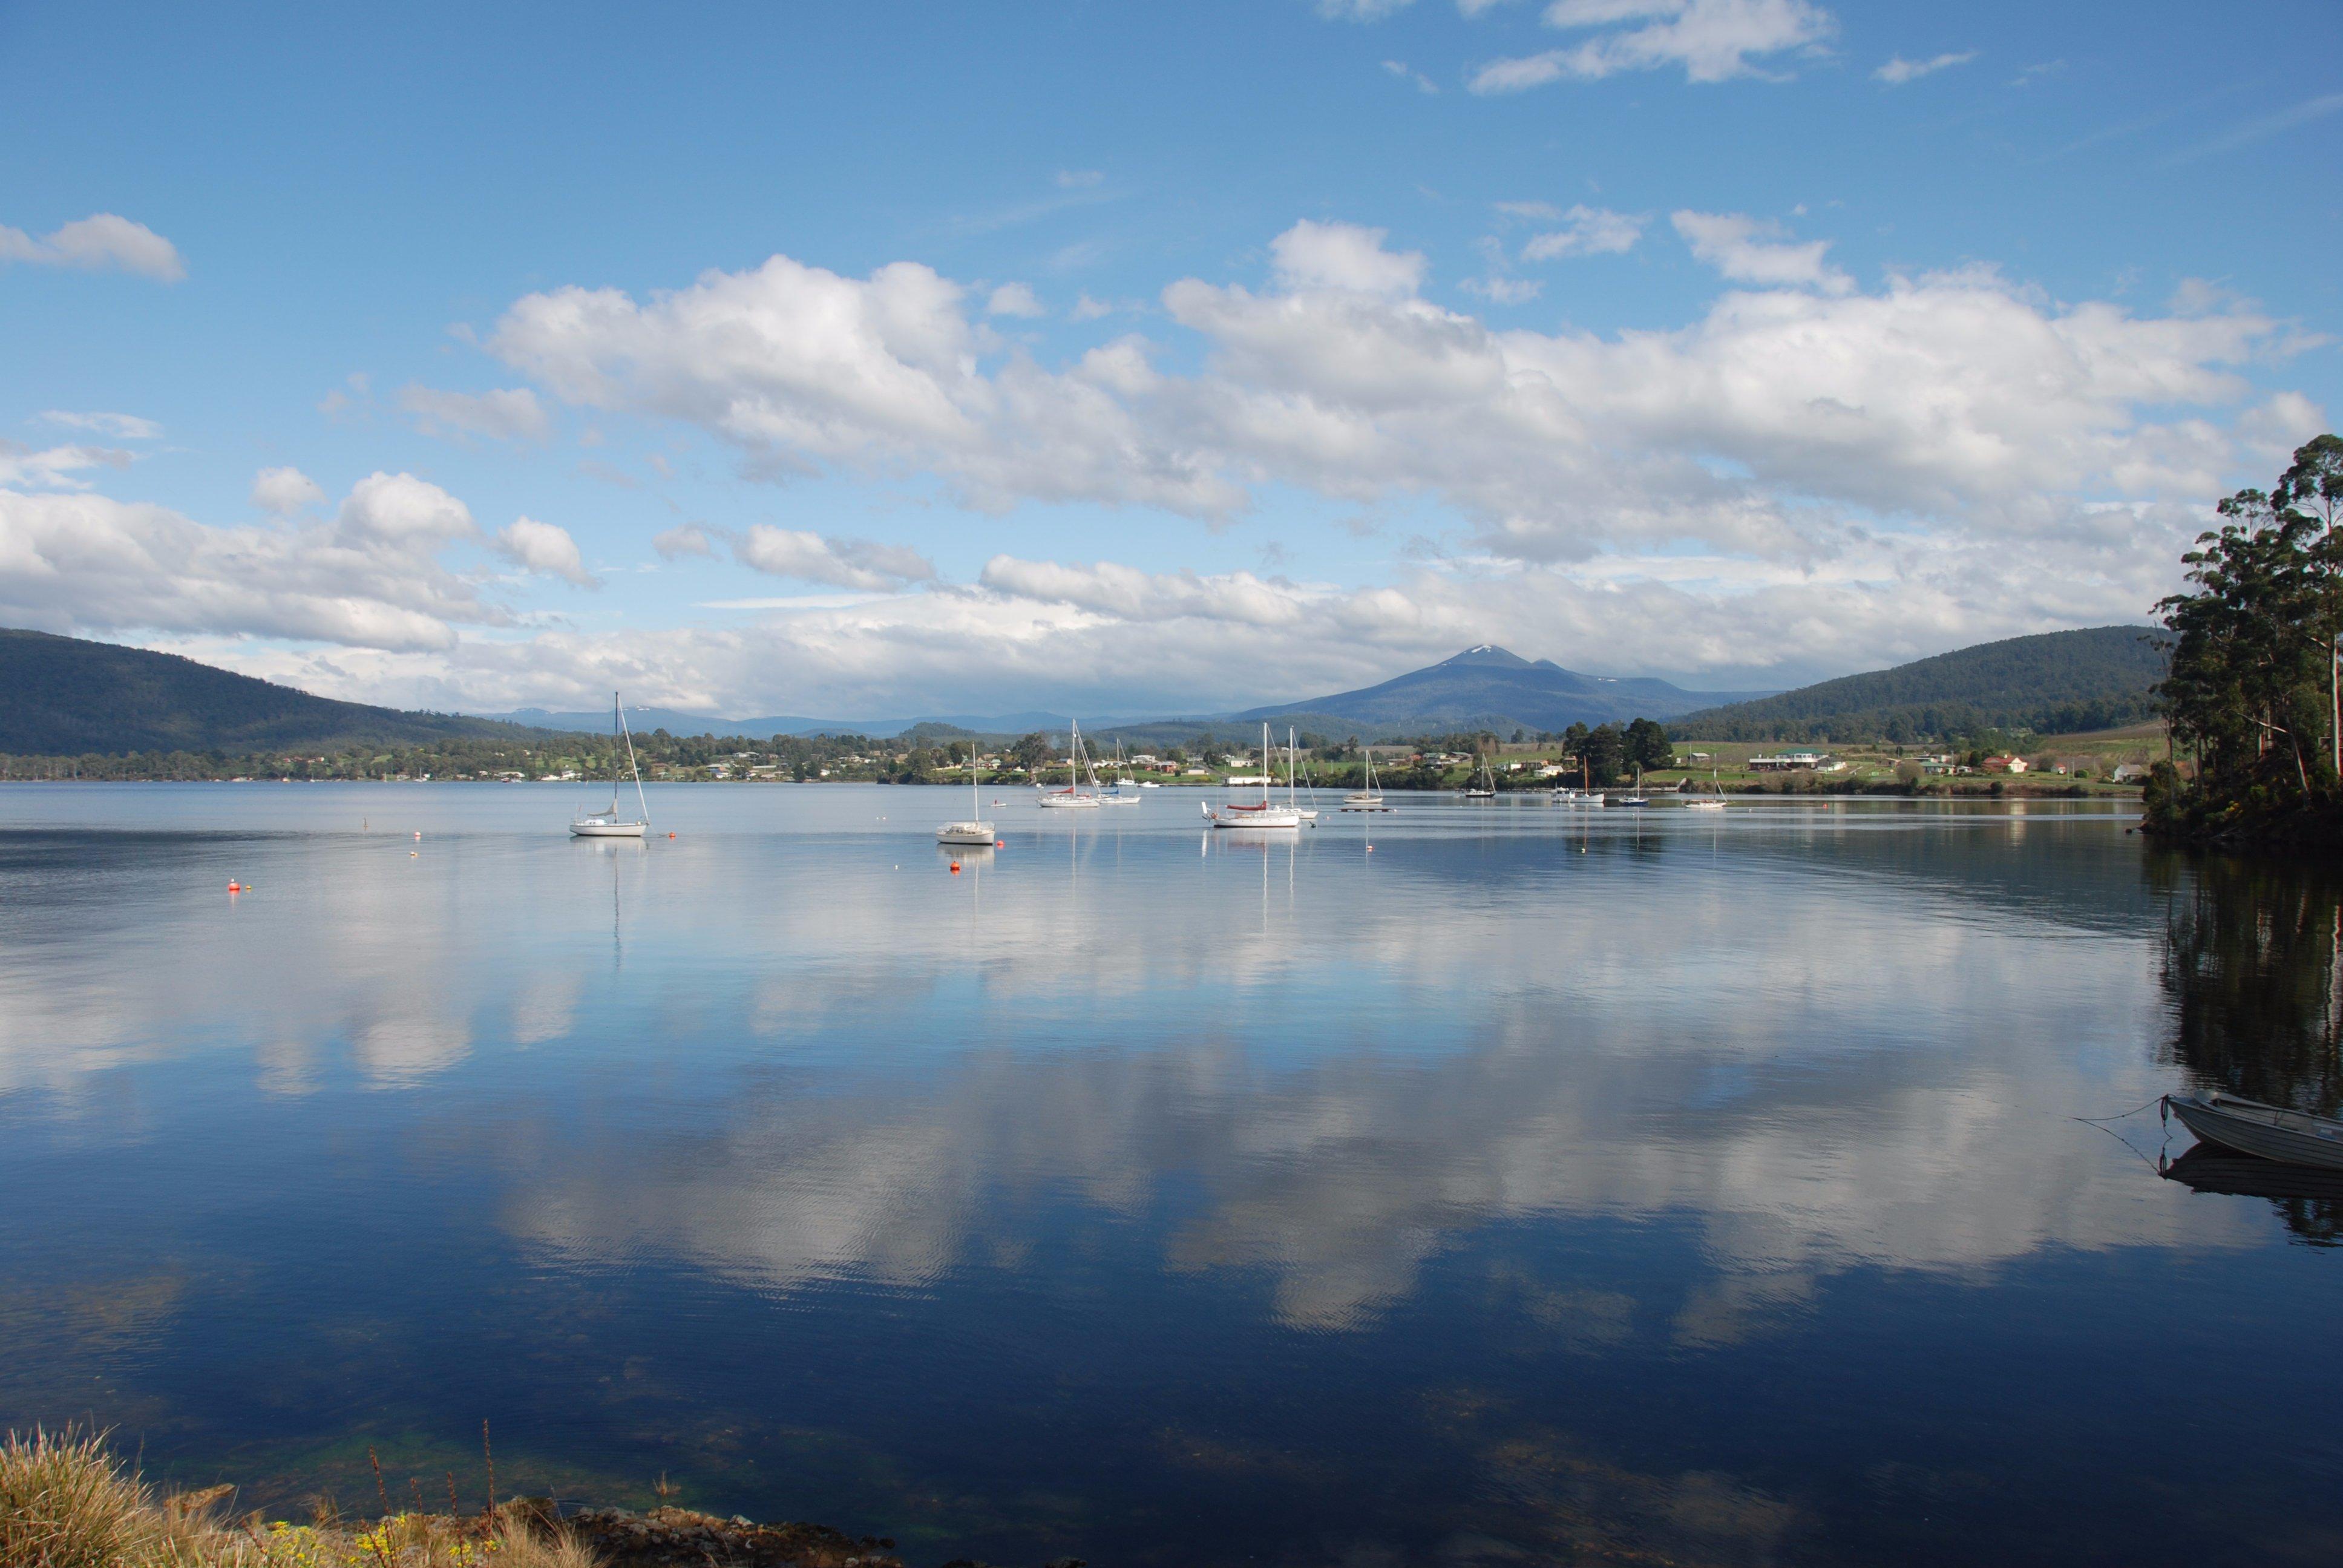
618, 719
640, 804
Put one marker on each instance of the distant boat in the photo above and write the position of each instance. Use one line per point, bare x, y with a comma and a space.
1638, 798
1123, 793
2250, 1127
1370, 798
974, 831
609, 824
1475, 791
1266, 813
1077, 764
1708, 803
1292, 756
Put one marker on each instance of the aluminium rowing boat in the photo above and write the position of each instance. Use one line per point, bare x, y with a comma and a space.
2250, 1127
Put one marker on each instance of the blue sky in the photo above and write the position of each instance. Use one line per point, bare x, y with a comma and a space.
879, 361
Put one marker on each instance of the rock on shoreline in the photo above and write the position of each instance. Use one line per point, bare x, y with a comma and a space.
674, 1537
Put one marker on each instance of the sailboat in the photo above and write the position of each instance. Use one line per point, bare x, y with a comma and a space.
1476, 791
974, 831
609, 824
1638, 798
1292, 759
1266, 813
1708, 803
1370, 798
1077, 764
1122, 794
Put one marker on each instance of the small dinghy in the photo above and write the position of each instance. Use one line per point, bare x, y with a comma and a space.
2271, 1132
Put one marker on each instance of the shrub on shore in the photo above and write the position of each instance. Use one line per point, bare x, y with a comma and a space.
65, 1502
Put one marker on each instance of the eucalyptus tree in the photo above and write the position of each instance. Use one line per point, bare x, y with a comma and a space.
2253, 689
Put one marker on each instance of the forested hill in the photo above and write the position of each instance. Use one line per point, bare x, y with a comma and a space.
62, 696
2056, 683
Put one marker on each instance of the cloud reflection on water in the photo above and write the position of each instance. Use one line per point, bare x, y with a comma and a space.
813, 1056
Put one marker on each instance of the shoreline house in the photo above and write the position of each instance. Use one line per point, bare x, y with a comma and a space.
2003, 764
1793, 762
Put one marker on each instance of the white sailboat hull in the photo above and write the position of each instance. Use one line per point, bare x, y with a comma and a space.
587, 829
1062, 801
966, 833
1256, 817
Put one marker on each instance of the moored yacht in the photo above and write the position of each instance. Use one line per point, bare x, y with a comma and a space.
1264, 813
1077, 766
609, 824
975, 831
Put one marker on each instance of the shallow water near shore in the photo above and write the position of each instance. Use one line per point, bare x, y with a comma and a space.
1537, 1185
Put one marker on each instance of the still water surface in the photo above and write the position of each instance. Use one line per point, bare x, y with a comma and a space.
1535, 1186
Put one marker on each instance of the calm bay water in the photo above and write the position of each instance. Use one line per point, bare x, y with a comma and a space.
1536, 1186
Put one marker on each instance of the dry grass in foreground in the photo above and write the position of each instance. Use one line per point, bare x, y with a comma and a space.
66, 1503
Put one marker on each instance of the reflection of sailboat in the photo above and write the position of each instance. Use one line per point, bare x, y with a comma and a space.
1264, 814
1370, 798
1475, 789
609, 824
974, 831
2250, 1127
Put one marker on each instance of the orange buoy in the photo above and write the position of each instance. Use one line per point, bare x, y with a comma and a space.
419, 833
1000, 843
671, 835
955, 867
236, 887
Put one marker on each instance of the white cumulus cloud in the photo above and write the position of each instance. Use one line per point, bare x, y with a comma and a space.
1343, 256
370, 578
544, 547
1013, 300
842, 563
1750, 250
682, 540
1899, 70
285, 491
121, 427
505, 413
96, 243
402, 509
1712, 40
1584, 231
56, 468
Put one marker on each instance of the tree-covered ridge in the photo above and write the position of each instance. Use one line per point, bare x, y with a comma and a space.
2055, 683
62, 696
2255, 699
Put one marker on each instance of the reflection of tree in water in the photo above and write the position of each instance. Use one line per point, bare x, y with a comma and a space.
2251, 955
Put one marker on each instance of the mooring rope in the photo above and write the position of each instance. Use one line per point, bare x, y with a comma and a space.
2118, 1116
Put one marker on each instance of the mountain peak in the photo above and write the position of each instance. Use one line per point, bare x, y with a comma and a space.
1489, 654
